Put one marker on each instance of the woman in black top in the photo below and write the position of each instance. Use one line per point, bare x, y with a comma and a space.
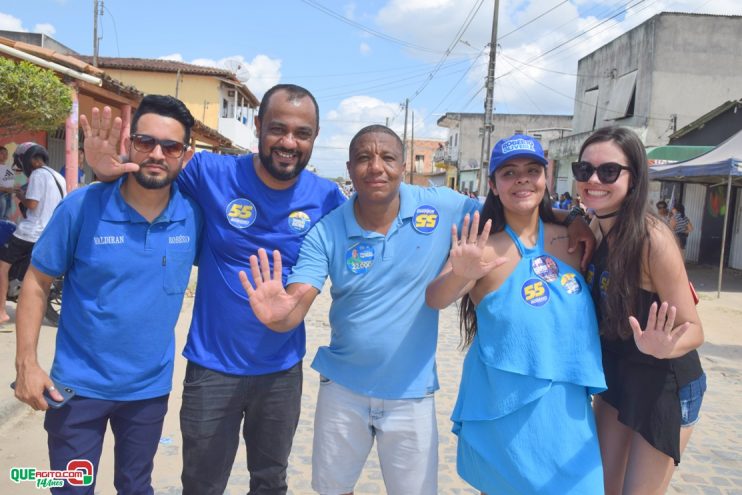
648, 320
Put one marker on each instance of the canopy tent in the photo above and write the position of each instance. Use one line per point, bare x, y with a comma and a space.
721, 165
661, 155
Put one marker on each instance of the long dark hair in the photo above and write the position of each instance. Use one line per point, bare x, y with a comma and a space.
627, 237
493, 210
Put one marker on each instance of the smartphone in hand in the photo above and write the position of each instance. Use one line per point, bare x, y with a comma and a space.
66, 392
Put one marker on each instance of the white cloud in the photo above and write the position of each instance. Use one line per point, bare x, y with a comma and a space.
175, 57
259, 74
44, 28
364, 48
339, 125
349, 10
544, 85
10, 23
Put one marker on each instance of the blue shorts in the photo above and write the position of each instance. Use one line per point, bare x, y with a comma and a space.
691, 397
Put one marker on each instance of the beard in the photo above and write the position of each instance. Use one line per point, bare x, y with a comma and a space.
275, 170
155, 182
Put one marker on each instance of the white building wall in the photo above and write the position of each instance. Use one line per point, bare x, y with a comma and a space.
735, 249
694, 200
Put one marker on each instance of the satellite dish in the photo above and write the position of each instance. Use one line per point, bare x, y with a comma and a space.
238, 69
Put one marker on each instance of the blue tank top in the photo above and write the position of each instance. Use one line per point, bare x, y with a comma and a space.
537, 328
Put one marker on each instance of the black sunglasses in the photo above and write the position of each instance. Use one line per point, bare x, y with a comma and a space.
607, 172
145, 144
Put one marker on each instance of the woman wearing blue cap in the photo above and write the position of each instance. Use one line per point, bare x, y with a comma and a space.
523, 416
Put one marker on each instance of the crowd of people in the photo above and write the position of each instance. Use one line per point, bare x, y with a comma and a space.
581, 374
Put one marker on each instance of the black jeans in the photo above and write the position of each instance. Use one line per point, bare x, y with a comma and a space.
214, 405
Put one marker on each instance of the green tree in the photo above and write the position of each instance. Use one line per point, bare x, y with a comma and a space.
31, 98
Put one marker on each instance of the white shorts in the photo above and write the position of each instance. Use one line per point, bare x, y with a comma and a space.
345, 425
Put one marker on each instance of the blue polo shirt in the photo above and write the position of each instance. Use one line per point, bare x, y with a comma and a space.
123, 289
241, 215
383, 334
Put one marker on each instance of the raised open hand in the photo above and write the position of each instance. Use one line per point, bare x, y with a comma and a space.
659, 338
466, 253
269, 300
102, 136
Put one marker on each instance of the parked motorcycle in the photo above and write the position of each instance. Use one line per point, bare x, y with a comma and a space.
18, 271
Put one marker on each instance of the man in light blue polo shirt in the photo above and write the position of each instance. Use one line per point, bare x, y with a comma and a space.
380, 250
126, 249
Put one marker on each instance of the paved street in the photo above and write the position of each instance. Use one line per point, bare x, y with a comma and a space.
711, 465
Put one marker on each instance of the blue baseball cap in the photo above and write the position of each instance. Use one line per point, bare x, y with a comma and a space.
516, 146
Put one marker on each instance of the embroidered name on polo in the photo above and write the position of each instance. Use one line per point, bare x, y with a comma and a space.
108, 239
179, 239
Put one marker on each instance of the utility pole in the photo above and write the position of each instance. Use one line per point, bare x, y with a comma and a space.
96, 11
404, 135
487, 129
412, 151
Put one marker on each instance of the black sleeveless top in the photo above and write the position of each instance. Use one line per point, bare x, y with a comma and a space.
642, 388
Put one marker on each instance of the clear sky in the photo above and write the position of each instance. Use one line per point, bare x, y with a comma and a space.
363, 58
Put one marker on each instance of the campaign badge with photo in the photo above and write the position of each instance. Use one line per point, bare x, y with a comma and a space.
571, 284
545, 267
299, 222
359, 258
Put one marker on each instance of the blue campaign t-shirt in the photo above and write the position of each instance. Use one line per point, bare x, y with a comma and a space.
125, 279
241, 215
383, 334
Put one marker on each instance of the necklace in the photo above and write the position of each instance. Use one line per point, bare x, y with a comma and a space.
607, 215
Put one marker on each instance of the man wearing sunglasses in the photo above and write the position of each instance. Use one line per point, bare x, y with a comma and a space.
126, 249
241, 376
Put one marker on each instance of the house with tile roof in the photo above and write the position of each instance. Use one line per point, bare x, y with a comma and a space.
214, 96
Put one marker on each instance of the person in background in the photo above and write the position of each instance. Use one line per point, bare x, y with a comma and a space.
7, 184
680, 225
44, 192
649, 325
566, 201
80, 166
663, 212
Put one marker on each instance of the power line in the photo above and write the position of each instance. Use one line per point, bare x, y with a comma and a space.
378, 34
532, 20
467, 21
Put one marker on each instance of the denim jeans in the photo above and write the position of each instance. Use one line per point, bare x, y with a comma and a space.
76, 431
215, 405
691, 397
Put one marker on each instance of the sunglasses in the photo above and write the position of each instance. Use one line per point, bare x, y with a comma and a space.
607, 172
145, 144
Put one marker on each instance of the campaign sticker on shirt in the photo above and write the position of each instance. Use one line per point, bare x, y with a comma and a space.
605, 278
359, 258
590, 275
241, 213
535, 292
545, 267
571, 284
299, 221
425, 219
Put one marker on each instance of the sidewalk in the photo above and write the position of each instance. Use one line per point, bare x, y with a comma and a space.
712, 464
